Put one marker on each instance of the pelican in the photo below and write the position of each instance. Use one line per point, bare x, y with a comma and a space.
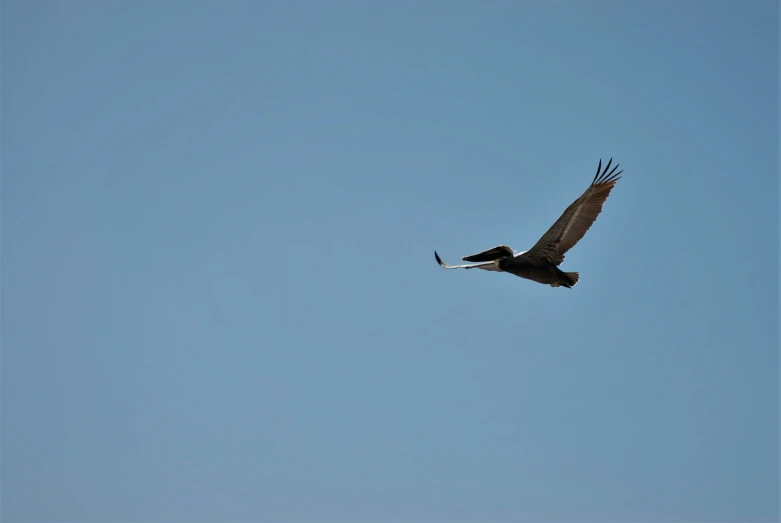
540, 263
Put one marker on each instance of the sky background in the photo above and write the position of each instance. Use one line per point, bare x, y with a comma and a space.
219, 295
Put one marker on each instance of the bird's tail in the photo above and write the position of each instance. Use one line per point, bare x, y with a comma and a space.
566, 279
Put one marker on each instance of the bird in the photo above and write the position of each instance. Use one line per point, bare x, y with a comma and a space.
541, 262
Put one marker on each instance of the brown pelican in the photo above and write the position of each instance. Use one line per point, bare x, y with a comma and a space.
540, 263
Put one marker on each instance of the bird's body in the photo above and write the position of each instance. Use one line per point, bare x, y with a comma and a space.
525, 266
540, 263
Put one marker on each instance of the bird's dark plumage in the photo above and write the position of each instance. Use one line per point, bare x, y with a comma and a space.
540, 263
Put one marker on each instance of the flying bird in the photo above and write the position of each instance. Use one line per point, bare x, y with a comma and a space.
541, 262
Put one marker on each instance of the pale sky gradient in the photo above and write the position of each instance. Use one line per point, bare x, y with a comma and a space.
219, 296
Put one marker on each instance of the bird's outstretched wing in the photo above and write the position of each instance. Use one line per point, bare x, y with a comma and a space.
487, 266
578, 218
495, 253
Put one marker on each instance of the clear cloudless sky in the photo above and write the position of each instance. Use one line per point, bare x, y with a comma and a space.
219, 295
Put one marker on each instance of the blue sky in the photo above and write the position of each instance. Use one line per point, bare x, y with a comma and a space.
219, 295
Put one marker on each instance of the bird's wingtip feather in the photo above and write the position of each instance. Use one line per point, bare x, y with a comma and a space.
599, 168
606, 175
